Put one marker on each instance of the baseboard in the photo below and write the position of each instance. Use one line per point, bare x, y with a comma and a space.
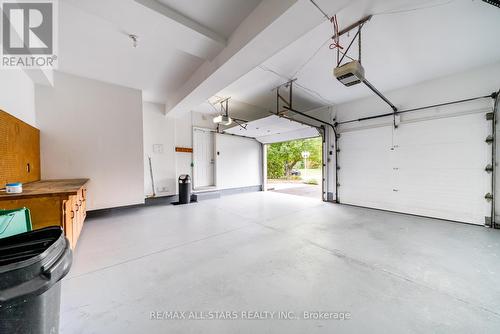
168, 200
240, 190
114, 210
161, 200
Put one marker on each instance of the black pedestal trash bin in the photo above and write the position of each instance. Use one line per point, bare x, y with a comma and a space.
184, 189
32, 265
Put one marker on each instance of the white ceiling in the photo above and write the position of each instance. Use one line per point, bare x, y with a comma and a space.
404, 43
93, 47
94, 42
220, 16
407, 42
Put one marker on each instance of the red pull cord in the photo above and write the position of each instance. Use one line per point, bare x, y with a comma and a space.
336, 37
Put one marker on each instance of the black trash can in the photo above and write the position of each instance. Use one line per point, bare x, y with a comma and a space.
184, 189
32, 265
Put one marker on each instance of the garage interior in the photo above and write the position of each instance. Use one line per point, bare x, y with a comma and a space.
404, 236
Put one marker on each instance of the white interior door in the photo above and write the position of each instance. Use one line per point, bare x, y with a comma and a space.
203, 158
433, 167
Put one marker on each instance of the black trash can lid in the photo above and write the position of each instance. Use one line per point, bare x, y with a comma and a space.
22, 247
184, 178
32, 262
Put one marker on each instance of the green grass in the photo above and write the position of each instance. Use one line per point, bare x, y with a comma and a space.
312, 177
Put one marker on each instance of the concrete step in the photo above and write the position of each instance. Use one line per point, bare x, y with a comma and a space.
203, 195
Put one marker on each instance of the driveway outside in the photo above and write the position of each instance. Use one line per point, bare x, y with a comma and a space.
295, 188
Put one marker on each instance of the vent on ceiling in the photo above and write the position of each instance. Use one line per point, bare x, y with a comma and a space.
495, 3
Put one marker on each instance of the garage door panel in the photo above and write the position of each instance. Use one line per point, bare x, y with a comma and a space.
441, 194
445, 180
435, 168
443, 156
365, 175
454, 142
369, 196
462, 128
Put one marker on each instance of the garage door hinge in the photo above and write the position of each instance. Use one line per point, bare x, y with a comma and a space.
338, 184
489, 116
488, 197
338, 167
338, 150
489, 139
489, 168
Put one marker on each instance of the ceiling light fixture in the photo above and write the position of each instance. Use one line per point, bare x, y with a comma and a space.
223, 119
135, 40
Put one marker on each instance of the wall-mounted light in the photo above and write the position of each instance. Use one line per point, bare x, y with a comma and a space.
223, 119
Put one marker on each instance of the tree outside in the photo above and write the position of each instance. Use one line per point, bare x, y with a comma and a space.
283, 158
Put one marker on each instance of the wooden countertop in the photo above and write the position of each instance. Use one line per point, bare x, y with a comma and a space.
47, 188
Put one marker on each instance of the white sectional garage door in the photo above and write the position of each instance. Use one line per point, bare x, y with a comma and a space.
433, 167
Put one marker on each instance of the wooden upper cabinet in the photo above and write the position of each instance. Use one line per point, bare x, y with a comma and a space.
19, 151
51, 202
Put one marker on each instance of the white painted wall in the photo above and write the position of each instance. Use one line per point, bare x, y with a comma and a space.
183, 138
478, 82
91, 129
17, 95
159, 145
238, 163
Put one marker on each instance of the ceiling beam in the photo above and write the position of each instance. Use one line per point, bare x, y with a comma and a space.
182, 20
272, 26
127, 17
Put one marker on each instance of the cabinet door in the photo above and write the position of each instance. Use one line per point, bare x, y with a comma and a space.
69, 215
77, 227
84, 203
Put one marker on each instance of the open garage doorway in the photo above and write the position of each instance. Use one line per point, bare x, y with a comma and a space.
295, 167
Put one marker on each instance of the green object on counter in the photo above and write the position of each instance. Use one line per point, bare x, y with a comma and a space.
14, 222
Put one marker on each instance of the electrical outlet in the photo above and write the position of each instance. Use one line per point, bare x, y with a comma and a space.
158, 148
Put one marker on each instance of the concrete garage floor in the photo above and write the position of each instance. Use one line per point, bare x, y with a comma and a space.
298, 189
276, 252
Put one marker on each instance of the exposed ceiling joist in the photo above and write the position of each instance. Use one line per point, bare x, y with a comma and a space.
182, 20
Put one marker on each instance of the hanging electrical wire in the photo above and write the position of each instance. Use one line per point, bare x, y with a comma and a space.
408, 10
301, 67
321, 10
313, 93
336, 35
309, 91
